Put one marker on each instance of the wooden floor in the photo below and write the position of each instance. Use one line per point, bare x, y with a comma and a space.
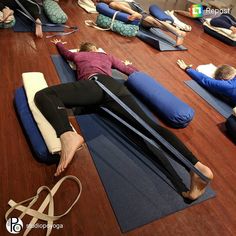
21, 174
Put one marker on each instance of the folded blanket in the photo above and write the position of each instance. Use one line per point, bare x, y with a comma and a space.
87, 5
208, 69
33, 82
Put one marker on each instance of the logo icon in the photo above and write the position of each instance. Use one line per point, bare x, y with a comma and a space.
14, 225
196, 10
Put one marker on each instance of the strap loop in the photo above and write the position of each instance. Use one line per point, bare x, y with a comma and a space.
91, 23
48, 201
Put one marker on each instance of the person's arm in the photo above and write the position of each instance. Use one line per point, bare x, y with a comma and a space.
218, 86
68, 55
214, 85
121, 66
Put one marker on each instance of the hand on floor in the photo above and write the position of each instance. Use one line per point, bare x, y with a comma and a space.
55, 41
182, 64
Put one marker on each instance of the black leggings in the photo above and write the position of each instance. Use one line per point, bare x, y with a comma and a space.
29, 5
53, 100
224, 21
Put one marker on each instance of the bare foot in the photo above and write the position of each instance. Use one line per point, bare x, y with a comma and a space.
233, 28
198, 186
180, 38
135, 16
70, 142
7, 12
38, 29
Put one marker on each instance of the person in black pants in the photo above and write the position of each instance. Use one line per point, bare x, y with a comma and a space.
54, 100
9, 6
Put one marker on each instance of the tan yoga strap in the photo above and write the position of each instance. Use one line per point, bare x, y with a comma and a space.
48, 201
91, 23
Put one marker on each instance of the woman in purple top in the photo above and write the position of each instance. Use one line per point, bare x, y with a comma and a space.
87, 96
93, 61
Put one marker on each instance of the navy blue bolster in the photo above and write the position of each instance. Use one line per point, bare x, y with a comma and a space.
31, 130
166, 105
156, 12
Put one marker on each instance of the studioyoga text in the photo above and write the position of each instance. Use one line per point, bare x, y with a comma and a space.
44, 226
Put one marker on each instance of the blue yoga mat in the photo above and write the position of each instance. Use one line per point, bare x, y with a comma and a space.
159, 40
223, 108
137, 187
23, 24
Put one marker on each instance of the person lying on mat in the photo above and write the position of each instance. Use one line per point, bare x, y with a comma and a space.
225, 21
89, 60
88, 95
223, 83
9, 6
146, 20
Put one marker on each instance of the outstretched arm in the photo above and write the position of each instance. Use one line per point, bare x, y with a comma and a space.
218, 86
68, 55
121, 66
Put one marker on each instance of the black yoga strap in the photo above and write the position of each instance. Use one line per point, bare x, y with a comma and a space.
165, 143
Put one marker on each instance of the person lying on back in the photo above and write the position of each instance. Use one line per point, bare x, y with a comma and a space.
89, 60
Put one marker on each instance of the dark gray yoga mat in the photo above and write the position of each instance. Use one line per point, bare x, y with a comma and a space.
159, 40
137, 188
223, 108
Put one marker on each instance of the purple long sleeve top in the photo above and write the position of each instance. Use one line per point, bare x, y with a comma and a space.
89, 63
